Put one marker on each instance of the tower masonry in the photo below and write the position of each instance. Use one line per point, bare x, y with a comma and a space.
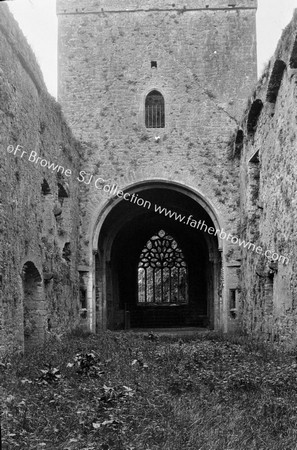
155, 92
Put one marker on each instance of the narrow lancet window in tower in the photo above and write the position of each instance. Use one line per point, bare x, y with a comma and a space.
154, 110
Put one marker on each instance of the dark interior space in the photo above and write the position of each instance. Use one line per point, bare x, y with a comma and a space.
132, 227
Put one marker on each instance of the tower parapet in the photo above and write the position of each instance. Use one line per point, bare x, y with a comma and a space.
116, 6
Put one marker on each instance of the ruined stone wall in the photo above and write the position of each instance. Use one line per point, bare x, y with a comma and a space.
38, 206
206, 65
269, 202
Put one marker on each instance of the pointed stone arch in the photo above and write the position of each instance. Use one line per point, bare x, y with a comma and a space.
119, 234
253, 116
34, 306
275, 80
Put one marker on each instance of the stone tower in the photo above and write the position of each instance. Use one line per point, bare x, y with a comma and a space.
155, 91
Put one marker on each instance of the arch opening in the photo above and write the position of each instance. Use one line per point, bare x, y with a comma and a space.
34, 306
253, 117
45, 189
275, 80
62, 191
141, 288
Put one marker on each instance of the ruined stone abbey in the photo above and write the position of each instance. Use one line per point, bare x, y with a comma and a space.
160, 191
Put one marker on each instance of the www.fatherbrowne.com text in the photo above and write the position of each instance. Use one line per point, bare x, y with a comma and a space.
112, 190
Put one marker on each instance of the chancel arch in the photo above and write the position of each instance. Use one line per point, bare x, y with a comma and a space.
124, 233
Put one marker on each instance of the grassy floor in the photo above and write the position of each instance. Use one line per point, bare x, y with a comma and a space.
121, 391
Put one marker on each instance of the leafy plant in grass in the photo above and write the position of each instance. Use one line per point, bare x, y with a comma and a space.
87, 364
50, 375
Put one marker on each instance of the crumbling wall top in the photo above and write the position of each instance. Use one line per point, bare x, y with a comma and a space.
12, 33
117, 6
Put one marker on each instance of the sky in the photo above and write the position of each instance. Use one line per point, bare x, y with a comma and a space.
37, 19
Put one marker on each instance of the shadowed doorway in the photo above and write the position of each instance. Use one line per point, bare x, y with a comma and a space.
154, 271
